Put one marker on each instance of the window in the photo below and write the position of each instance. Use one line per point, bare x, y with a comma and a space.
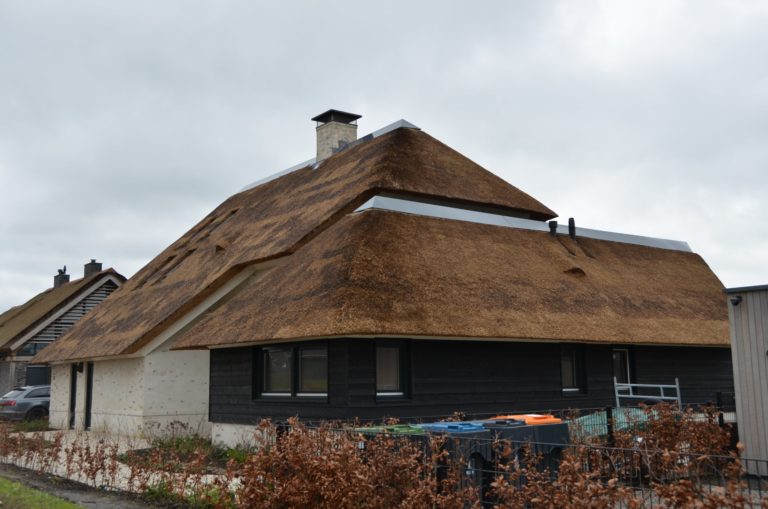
40, 393
571, 369
38, 375
390, 369
621, 366
294, 370
31, 348
278, 371
313, 370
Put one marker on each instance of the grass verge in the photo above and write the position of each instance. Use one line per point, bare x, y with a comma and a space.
18, 496
31, 426
185, 453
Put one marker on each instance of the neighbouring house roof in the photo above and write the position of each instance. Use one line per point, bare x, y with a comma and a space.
745, 289
275, 219
18, 320
388, 273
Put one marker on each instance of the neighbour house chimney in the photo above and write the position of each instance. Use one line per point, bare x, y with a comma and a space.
572, 227
61, 278
93, 267
335, 130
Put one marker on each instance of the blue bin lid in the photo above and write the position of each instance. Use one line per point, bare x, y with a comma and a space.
452, 427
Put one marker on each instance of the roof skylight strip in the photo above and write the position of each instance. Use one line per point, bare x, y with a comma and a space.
472, 216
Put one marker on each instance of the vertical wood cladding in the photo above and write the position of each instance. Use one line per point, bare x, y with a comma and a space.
702, 371
749, 340
475, 377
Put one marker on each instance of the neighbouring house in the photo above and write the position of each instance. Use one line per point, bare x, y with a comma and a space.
392, 276
748, 315
34, 325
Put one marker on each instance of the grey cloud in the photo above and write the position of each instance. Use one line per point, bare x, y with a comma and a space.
123, 123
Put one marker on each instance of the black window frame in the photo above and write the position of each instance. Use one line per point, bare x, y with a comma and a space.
263, 372
629, 371
576, 354
403, 368
259, 373
299, 391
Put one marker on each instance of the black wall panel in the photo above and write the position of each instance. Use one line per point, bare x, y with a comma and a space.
475, 377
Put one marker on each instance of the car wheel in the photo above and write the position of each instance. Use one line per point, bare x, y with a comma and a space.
36, 414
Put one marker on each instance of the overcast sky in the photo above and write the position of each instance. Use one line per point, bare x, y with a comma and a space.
123, 123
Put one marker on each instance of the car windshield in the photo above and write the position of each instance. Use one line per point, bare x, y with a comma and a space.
13, 394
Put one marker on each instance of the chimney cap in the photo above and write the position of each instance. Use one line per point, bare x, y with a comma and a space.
336, 116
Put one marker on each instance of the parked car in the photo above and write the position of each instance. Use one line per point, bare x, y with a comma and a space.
26, 403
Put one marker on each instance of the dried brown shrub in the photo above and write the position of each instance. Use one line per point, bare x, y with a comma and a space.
339, 467
576, 483
667, 428
327, 467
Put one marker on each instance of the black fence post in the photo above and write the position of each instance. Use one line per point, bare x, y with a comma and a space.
609, 423
281, 429
720, 416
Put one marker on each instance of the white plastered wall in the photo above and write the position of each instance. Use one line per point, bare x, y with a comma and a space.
176, 391
118, 397
233, 435
145, 394
138, 396
59, 409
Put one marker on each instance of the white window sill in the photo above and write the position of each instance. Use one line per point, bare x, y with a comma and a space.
298, 395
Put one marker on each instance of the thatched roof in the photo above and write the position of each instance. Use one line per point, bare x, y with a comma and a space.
386, 273
275, 219
16, 321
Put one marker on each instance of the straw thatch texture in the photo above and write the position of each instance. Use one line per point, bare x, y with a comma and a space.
19, 319
275, 219
379, 272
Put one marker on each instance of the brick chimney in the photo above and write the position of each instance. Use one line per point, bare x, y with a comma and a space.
335, 130
93, 267
61, 278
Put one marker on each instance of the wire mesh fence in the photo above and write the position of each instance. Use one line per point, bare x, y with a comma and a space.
507, 474
454, 465
594, 424
665, 457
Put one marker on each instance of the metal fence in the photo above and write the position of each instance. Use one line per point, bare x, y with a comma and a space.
597, 424
628, 477
652, 478
501, 470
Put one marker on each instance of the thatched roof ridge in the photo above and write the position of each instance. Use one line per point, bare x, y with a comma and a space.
387, 273
16, 321
274, 220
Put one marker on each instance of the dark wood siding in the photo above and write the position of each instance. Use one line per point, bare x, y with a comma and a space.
702, 371
475, 377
